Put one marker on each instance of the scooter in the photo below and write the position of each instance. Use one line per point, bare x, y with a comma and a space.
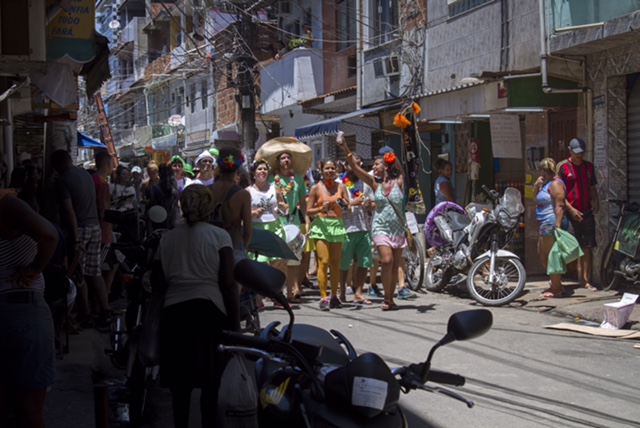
471, 243
310, 377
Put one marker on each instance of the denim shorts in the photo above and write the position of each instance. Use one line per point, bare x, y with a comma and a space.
27, 347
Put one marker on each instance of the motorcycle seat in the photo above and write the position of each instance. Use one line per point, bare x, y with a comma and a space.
331, 353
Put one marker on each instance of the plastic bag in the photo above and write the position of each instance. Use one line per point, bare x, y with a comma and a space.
238, 405
565, 250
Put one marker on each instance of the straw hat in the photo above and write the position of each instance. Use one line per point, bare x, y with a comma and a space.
301, 155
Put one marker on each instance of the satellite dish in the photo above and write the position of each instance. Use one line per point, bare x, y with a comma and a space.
175, 120
114, 25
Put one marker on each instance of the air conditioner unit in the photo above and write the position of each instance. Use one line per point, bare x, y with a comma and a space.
283, 7
391, 66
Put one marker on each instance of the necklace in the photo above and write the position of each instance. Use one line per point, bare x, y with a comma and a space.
286, 187
355, 192
329, 184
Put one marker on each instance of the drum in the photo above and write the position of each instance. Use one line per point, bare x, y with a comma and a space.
295, 239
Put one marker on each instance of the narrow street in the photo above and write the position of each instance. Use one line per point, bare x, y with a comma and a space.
518, 374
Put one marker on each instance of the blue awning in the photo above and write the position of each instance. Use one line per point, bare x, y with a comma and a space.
332, 126
85, 141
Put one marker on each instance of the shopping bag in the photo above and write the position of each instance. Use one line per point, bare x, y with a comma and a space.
568, 245
238, 404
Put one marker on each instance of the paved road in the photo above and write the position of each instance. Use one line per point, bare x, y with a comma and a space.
519, 374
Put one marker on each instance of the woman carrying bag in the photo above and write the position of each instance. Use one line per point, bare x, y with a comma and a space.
388, 228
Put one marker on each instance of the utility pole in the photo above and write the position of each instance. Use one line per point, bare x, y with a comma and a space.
246, 97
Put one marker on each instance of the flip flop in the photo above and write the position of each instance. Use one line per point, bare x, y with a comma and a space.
386, 306
550, 295
590, 287
362, 301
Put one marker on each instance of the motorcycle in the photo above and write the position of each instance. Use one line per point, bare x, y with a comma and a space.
472, 245
307, 376
621, 259
135, 263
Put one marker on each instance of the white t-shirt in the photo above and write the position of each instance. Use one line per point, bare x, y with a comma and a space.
267, 200
191, 263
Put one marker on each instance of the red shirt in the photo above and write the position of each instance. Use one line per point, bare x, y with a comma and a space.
578, 180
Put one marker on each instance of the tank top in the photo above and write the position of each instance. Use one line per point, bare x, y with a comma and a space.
440, 197
15, 254
385, 219
545, 208
267, 200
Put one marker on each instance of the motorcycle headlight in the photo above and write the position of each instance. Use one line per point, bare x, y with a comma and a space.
506, 220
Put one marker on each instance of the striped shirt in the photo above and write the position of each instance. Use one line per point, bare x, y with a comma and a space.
14, 255
578, 179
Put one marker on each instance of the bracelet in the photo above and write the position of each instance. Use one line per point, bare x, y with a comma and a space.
349, 154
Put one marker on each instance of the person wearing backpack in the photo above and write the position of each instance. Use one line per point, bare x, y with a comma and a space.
233, 203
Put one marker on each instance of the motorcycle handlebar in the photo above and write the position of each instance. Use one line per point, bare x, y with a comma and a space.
244, 340
445, 378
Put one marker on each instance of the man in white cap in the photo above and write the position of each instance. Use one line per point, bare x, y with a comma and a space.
581, 204
204, 162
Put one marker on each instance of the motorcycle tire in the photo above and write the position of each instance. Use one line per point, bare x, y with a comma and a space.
509, 271
436, 279
414, 266
138, 388
608, 280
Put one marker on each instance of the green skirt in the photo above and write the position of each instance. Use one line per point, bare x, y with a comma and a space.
272, 226
328, 229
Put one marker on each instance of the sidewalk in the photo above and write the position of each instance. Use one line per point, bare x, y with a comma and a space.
581, 304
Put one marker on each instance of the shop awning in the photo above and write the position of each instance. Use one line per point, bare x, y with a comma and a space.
332, 126
85, 141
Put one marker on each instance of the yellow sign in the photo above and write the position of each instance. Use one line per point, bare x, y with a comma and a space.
77, 23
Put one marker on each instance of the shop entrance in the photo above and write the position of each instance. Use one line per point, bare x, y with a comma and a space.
562, 128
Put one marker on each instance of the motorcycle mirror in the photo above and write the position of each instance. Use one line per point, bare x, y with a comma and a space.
157, 214
261, 278
469, 324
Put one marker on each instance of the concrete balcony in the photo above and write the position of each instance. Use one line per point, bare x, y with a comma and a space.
297, 76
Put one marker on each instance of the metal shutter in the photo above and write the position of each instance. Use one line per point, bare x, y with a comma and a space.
633, 152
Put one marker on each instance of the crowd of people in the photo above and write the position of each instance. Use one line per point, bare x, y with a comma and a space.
352, 218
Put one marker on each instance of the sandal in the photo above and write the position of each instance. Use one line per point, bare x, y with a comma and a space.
590, 287
550, 295
389, 306
362, 301
294, 300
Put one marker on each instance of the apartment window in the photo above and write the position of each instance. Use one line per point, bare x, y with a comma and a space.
347, 25
384, 21
192, 98
204, 94
457, 7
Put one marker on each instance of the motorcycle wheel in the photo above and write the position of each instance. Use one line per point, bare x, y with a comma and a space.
511, 277
608, 280
436, 278
138, 388
414, 266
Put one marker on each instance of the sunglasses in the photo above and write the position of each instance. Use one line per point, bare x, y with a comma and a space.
206, 161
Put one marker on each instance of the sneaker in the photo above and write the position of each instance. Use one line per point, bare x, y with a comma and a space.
335, 303
324, 304
374, 291
404, 294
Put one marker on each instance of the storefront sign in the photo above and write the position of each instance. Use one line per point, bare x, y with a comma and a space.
71, 33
